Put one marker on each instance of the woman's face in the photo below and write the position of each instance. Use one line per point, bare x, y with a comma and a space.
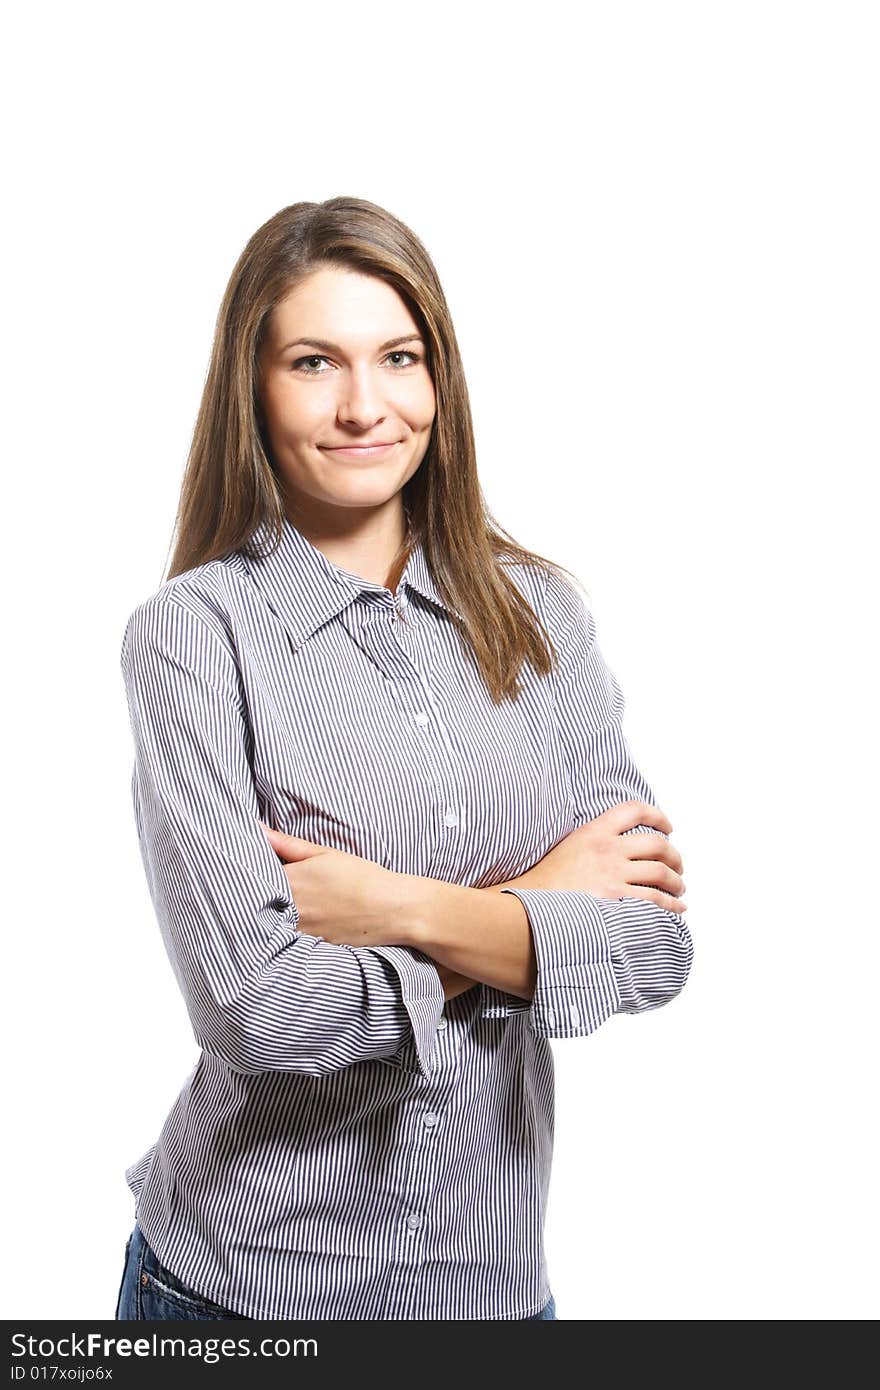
342, 367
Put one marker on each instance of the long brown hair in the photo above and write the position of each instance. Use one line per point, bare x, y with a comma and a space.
230, 486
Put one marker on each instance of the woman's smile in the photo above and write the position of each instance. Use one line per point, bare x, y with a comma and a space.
361, 451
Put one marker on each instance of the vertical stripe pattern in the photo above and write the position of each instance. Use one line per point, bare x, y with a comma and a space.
349, 1144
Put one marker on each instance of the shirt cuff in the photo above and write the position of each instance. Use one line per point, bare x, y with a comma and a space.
424, 999
652, 951
576, 988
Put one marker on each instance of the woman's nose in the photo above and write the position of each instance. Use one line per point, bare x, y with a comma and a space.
360, 400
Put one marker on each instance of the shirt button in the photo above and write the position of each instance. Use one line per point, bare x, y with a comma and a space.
441, 1022
450, 818
551, 1017
430, 1119
421, 718
414, 1220
574, 1014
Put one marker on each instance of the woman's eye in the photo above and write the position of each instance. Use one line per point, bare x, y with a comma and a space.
299, 364
308, 370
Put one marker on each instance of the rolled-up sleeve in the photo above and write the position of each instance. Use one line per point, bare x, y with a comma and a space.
261, 994
596, 956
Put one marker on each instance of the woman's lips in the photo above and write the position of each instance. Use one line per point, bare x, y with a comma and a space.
365, 451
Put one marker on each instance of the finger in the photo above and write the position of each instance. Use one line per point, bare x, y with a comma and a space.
292, 846
277, 834
631, 813
647, 846
654, 875
654, 895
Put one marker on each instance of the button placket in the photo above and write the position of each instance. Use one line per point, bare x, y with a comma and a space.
430, 721
416, 702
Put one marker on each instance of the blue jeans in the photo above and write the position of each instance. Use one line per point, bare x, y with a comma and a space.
149, 1292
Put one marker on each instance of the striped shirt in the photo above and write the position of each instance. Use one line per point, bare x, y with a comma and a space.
350, 1144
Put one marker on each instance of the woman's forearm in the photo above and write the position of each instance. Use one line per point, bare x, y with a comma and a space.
479, 932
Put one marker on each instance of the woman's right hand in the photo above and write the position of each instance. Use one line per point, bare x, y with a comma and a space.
598, 858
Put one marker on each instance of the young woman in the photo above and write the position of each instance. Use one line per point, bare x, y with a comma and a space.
393, 833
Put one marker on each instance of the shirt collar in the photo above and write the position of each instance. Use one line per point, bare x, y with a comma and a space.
306, 589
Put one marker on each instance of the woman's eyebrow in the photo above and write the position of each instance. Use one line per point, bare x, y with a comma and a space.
334, 347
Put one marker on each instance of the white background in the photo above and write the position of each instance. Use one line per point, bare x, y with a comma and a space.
657, 229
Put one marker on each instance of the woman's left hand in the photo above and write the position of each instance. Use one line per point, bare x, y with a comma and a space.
341, 897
